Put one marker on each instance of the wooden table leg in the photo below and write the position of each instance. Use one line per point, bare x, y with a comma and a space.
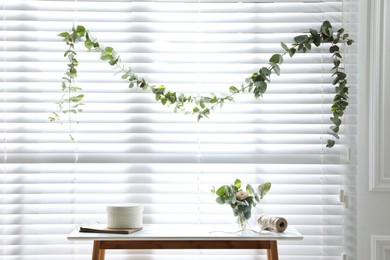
272, 252
97, 252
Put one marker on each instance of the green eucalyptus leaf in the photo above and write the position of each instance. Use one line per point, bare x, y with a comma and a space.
342, 89
77, 98
73, 71
113, 61
250, 201
237, 183
108, 50
75, 88
220, 200
105, 57
334, 48
160, 90
80, 30
317, 40
206, 112
233, 89
276, 58
249, 189
68, 52
341, 74
277, 69
292, 52
313, 32
301, 38
284, 46
264, 189
182, 98
88, 44
74, 37
336, 121
213, 100
233, 200
330, 143
143, 85
337, 54
334, 129
260, 86
326, 28
171, 96
344, 96
337, 79
336, 110
265, 72
64, 34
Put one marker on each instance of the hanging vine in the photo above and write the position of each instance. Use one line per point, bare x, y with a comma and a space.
72, 98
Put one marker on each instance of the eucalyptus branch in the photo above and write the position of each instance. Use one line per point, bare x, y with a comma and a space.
202, 105
71, 99
326, 35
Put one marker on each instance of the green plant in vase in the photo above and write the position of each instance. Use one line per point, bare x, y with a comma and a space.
241, 201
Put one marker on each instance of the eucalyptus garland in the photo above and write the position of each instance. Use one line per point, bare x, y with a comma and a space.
71, 101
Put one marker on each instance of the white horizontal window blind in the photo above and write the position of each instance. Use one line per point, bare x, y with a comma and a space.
129, 148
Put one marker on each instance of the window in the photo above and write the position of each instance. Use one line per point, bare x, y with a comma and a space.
129, 148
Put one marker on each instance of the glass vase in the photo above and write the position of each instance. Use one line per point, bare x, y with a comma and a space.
241, 221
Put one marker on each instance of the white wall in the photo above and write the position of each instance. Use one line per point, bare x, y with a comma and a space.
374, 155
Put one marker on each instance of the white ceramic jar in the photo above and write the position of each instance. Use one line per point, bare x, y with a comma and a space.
124, 215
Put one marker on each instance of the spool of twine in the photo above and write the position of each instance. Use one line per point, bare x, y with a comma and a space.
272, 223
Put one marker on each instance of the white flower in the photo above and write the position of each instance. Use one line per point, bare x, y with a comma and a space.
241, 195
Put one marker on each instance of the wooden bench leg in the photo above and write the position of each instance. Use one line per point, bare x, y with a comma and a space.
97, 252
272, 252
